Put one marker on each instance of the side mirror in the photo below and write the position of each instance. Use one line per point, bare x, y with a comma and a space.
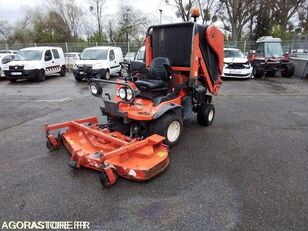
96, 89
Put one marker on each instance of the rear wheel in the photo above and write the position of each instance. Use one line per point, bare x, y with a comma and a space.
63, 71
170, 126
106, 74
258, 72
41, 76
206, 114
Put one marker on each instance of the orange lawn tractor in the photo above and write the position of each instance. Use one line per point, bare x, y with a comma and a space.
182, 70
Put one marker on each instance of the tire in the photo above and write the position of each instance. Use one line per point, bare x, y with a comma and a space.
63, 71
169, 125
41, 76
206, 114
106, 74
104, 179
78, 78
13, 80
257, 71
288, 71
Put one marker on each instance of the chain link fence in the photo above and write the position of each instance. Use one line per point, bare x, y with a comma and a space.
245, 46
75, 47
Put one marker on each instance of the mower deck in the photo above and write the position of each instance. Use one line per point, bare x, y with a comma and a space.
102, 150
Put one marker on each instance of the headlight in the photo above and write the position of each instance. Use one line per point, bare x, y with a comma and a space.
97, 65
122, 93
125, 93
247, 65
129, 94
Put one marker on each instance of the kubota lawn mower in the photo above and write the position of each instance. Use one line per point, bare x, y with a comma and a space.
181, 72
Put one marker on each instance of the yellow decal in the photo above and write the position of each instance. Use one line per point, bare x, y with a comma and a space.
71, 141
161, 154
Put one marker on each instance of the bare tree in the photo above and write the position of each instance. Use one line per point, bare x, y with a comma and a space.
97, 9
70, 12
5, 30
208, 10
131, 24
183, 8
235, 14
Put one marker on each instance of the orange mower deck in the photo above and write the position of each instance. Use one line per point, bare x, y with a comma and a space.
111, 153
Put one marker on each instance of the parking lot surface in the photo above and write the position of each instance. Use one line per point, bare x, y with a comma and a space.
248, 171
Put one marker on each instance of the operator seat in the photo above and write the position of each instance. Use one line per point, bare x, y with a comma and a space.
158, 78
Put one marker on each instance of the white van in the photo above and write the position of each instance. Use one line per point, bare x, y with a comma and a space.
98, 62
140, 56
36, 63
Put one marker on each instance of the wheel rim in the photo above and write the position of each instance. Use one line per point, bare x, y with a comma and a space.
107, 75
211, 115
173, 131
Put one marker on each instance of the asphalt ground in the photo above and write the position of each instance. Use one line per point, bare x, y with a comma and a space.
248, 171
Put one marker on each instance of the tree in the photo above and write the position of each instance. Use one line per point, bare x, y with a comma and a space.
131, 24
183, 8
208, 10
97, 8
5, 30
70, 13
238, 14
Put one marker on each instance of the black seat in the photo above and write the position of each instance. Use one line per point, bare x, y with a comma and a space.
158, 76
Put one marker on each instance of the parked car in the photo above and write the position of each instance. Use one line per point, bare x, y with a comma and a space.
36, 63
5, 59
129, 56
140, 56
98, 62
236, 64
8, 51
71, 59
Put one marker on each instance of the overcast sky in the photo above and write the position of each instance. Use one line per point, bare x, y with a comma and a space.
11, 10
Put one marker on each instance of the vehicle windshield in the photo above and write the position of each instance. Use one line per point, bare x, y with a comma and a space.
273, 50
97, 54
233, 54
140, 55
130, 55
28, 55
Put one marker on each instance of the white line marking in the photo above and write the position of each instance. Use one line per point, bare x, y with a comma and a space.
36, 100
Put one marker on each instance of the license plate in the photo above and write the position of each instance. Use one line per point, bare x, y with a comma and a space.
16, 73
235, 72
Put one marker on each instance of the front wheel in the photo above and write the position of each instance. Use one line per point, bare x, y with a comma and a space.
288, 71
170, 126
206, 114
258, 72
78, 78
41, 76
